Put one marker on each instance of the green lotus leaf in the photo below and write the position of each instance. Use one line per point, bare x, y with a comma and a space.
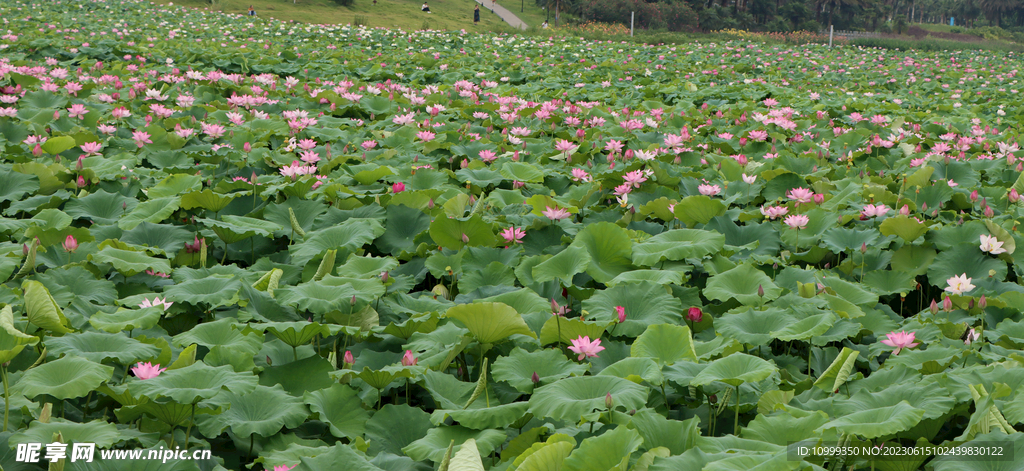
399, 237
14, 185
658, 431
752, 327
571, 398
645, 303
262, 411
907, 228
193, 383
698, 209
104, 434
517, 368
610, 450
677, 245
666, 343
166, 238
524, 301
153, 210
433, 445
786, 427
351, 234
490, 322
207, 200
298, 377
56, 145
297, 333
879, 422
964, 258
99, 347
381, 378
75, 282
317, 297
548, 457
563, 267
451, 394
130, 262
735, 370
126, 319
496, 416
176, 184
233, 229
806, 328
67, 378
1013, 449
448, 232
570, 329
339, 453
658, 277
214, 290
12, 340
341, 408
636, 370
42, 310
394, 427
741, 283
844, 239
523, 172
222, 333
610, 250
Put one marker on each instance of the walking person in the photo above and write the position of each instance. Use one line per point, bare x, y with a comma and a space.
476, 14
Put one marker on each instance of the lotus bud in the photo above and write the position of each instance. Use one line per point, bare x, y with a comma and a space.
1020, 166
947, 304
37, 150
80, 182
608, 402
247, 147
269, 361
353, 301
70, 243
819, 198
408, 359
621, 311
924, 206
535, 378
989, 212
80, 164
24, 249
970, 304
465, 238
384, 276
464, 163
935, 213
554, 306
905, 210
694, 314
349, 359
430, 204
863, 248
982, 302
934, 307
1013, 196
124, 206
713, 399
974, 196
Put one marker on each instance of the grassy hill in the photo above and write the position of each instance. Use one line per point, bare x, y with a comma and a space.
404, 14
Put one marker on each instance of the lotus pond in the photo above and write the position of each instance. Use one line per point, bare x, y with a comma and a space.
326, 247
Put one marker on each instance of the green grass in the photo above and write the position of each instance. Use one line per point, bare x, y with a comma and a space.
932, 44
404, 14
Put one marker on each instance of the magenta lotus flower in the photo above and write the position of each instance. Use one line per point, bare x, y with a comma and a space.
585, 347
555, 214
408, 359
621, 311
349, 358
900, 340
513, 235
147, 370
284, 467
797, 221
694, 314
398, 187
70, 243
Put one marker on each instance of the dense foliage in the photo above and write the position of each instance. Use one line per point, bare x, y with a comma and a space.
311, 245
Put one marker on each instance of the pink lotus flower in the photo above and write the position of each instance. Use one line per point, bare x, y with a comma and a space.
555, 214
159, 274
801, 195
634, 178
349, 359
758, 135
513, 235
772, 212
694, 314
900, 340
871, 210
797, 221
564, 146
141, 138
709, 190
959, 284
408, 359
425, 135
70, 243
91, 148
749, 179
580, 175
488, 156
367, 145
989, 244
621, 311
398, 187
284, 467
120, 112
77, 111
156, 302
147, 370
585, 347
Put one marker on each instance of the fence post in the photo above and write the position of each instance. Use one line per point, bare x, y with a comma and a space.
830, 32
632, 14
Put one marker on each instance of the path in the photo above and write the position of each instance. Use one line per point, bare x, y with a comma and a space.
503, 13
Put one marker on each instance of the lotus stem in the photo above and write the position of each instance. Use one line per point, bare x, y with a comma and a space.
7, 396
736, 420
191, 421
